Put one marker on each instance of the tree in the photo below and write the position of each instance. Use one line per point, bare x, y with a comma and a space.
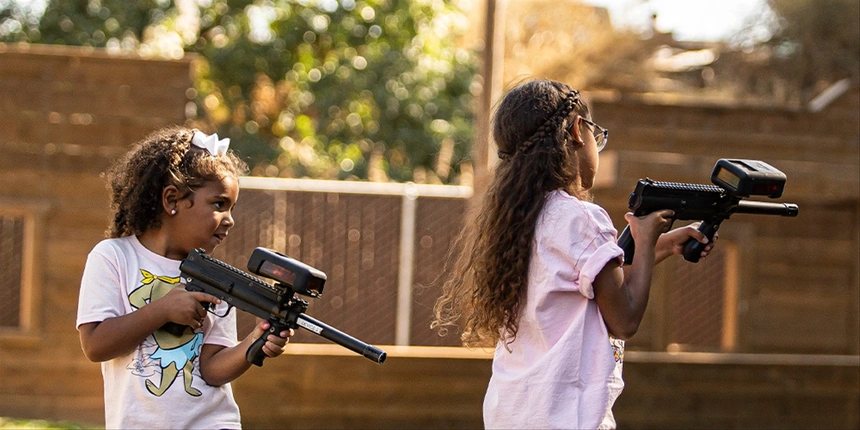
807, 46
368, 89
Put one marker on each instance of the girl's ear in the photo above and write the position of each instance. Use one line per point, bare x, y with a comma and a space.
574, 130
170, 199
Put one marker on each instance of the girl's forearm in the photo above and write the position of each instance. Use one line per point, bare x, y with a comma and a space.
220, 365
663, 251
637, 282
120, 335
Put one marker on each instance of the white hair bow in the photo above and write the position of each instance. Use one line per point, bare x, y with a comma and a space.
210, 142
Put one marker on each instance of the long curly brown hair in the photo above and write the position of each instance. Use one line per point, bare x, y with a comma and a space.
491, 257
165, 157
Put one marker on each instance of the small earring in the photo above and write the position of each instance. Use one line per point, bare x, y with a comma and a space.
173, 211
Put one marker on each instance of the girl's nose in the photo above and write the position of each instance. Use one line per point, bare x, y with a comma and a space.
228, 220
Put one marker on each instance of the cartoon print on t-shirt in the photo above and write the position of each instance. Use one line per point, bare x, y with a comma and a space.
170, 353
617, 349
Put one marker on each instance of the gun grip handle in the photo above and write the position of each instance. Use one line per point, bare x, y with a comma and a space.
255, 354
626, 243
693, 248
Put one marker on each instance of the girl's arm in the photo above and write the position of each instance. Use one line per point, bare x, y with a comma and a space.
672, 243
622, 294
113, 337
220, 365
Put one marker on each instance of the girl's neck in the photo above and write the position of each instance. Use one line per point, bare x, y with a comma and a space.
156, 241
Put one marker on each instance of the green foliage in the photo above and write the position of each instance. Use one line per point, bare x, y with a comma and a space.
817, 40
797, 48
368, 89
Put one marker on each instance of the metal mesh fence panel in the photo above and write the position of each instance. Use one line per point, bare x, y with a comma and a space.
11, 257
356, 239
437, 226
353, 238
695, 303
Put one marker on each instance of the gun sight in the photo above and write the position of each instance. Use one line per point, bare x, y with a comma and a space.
300, 277
746, 178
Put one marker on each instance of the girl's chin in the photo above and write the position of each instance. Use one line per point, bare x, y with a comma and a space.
207, 248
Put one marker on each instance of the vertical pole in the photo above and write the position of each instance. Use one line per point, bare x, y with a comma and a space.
491, 72
27, 305
403, 315
728, 342
853, 347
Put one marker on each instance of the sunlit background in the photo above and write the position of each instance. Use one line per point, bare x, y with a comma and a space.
415, 67
366, 124
688, 20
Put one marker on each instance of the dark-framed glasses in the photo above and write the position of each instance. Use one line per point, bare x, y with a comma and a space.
601, 135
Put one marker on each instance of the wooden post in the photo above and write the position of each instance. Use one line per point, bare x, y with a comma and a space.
484, 150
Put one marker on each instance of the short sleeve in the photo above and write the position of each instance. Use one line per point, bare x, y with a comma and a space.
573, 242
602, 249
223, 330
101, 294
594, 262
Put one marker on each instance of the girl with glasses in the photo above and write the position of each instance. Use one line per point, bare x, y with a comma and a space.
539, 274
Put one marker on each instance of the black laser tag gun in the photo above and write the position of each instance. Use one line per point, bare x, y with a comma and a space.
712, 204
276, 303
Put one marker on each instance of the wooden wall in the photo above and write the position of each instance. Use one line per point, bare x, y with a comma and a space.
64, 113
429, 388
799, 283
735, 391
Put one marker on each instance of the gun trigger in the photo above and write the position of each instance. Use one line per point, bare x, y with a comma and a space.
229, 306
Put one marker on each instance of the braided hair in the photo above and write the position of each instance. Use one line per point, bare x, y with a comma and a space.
165, 157
491, 267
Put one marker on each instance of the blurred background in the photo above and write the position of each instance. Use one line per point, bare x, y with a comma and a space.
366, 126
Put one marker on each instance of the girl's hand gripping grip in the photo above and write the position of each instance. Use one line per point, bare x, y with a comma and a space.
255, 354
693, 248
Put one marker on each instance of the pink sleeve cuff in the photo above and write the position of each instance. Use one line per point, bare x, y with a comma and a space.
595, 263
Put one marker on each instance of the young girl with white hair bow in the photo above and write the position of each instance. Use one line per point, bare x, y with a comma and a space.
173, 192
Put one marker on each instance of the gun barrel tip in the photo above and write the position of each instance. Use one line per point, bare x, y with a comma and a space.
379, 357
374, 354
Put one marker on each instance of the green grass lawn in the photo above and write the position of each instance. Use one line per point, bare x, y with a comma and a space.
13, 423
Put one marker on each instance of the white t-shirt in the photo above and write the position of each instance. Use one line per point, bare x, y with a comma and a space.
564, 369
158, 384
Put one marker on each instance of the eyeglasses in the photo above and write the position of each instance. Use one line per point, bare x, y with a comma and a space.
601, 135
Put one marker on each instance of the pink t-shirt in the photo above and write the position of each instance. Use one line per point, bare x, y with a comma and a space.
564, 369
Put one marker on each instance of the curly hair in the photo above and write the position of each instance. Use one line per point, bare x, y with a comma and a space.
492, 254
165, 157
